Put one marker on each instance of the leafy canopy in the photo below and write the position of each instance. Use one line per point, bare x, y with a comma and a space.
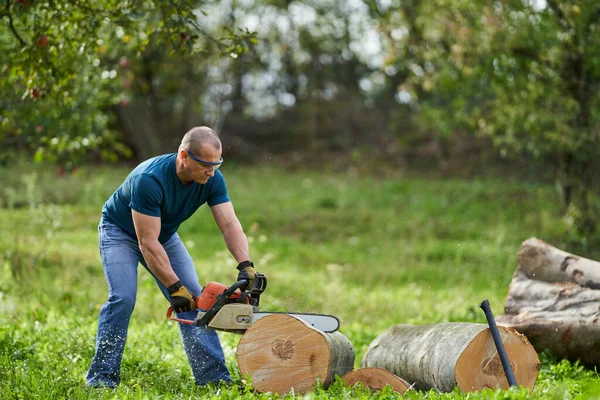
60, 61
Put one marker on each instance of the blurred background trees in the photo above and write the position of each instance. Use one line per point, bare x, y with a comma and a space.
442, 86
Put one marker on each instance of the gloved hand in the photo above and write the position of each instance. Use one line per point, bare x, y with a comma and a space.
247, 272
180, 297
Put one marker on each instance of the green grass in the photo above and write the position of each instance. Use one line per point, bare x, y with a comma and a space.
373, 252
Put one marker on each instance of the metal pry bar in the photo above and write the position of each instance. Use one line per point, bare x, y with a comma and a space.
510, 376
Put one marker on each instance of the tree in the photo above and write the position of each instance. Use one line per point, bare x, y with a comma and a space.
299, 88
522, 73
61, 60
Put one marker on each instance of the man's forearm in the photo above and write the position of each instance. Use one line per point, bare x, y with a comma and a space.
237, 242
158, 262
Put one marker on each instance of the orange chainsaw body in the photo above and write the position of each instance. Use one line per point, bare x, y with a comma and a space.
209, 294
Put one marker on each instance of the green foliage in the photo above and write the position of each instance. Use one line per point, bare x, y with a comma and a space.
562, 379
373, 252
522, 73
60, 61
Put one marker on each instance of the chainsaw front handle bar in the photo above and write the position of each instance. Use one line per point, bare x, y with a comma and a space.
241, 283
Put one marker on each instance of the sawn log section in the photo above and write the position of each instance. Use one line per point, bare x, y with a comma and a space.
447, 355
280, 352
375, 379
554, 300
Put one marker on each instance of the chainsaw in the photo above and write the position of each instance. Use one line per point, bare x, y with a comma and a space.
231, 309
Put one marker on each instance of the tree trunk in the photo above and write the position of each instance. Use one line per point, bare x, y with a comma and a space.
553, 300
140, 130
447, 355
281, 352
375, 379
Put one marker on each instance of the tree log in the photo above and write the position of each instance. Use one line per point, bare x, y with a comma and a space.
281, 352
543, 262
553, 300
447, 355
375, 379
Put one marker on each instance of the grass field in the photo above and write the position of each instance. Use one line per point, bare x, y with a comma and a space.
373, 252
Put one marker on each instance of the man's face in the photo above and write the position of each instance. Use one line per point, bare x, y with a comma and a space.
198, 167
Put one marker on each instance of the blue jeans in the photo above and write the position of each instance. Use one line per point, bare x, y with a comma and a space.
120, 257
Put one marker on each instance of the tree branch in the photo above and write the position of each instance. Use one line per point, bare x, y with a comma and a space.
114, 16
207, 35
197, 27
562, 19
595, 17
12, 26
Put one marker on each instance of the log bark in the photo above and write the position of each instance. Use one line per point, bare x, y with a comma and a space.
554, 300
375, 379
543, 262
281, 352
447, 355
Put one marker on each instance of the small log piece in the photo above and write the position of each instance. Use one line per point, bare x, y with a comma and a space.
447, 355
281, 352
375, 379
554, 300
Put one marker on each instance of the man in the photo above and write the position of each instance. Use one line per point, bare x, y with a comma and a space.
139, 225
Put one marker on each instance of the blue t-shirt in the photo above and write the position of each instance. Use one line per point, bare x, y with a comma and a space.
154, 189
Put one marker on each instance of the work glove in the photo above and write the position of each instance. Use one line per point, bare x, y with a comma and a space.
180, 298
248, 273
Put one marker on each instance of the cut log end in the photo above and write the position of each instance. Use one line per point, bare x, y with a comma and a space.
375, 379
280, 352
479, 366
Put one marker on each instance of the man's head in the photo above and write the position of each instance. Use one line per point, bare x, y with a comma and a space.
199, 154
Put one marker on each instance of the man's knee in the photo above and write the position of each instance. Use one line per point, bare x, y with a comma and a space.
124, 303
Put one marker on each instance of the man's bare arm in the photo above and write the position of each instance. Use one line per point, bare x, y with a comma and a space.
147, 229
232, 230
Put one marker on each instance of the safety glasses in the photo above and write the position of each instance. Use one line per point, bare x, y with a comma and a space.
206, 164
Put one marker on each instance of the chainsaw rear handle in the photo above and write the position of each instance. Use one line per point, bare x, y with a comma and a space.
183, 321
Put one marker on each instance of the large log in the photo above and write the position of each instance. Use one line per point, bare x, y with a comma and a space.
447, 355
375, 379
553, 299
281, 352
543, 262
